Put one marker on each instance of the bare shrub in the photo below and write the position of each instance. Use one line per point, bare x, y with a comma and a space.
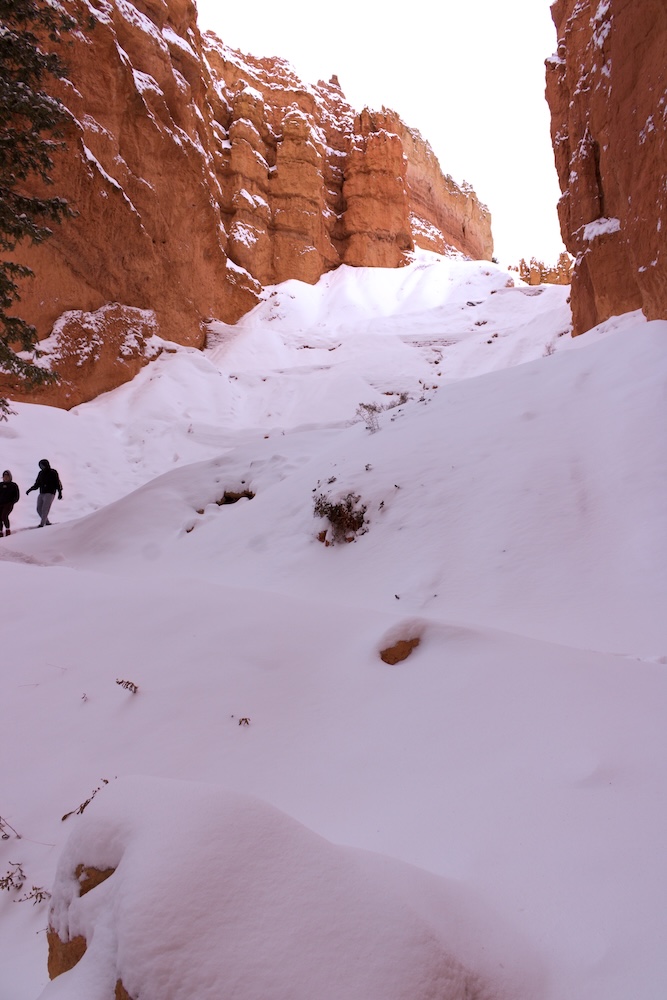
128, 685
370, 414
400, 401
14, 880
346, 517
5, 826
80, 809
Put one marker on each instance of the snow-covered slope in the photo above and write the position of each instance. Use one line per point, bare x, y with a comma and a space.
516, 498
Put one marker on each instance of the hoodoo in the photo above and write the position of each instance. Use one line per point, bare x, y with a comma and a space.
197, 176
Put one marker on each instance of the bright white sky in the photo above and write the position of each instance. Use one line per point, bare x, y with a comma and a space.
469, 76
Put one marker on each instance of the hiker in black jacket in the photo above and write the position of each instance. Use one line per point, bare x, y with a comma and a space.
9, 494
48, 483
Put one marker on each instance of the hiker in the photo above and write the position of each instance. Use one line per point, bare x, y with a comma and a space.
48, 483
9, 494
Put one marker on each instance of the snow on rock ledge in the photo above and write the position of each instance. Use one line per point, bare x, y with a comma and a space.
92, 352
171, 890
600, 227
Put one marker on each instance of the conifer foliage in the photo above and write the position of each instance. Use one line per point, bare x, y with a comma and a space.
31, 129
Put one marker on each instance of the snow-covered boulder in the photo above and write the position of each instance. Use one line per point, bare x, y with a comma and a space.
171, 890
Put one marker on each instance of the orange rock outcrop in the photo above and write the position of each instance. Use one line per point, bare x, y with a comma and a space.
607, 91
64, 955
199, 175
536, 272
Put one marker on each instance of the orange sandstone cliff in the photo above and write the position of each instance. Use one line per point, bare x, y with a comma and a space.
607, 91
199, 175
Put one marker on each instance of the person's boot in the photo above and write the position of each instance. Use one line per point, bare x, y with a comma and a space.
8, 532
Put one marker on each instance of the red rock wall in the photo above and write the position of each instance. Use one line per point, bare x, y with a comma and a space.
198, 175
607, 91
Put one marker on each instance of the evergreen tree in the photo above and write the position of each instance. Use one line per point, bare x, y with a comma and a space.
31, 129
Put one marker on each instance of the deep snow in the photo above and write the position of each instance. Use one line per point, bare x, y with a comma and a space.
516, 513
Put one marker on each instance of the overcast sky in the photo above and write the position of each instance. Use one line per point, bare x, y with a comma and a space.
469, 75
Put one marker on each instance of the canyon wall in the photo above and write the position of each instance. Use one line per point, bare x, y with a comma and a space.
607, 91
198, 175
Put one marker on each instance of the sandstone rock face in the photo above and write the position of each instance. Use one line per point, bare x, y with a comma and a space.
93, 352
536, 272
198, 175
607, 91
399, 651
64, 955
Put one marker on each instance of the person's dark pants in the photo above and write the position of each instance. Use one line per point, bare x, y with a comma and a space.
5, 511
44, 501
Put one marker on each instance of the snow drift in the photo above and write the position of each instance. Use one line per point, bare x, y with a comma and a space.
216, 891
